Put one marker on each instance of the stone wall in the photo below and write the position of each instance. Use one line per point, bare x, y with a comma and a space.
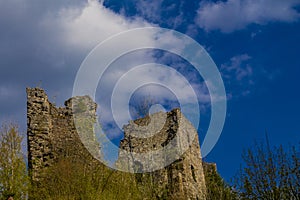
184, 178
51, 133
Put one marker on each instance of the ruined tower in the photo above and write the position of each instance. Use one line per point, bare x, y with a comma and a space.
51, 133
183, 175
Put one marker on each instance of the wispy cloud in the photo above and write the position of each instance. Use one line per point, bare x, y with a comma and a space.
43, 43
51, 40
238, 72
94, 23
164, 85
161, 12
237, 67
237, 14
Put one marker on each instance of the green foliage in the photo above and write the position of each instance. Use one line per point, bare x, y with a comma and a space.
13, 176
216, 187
69, 179
269, 173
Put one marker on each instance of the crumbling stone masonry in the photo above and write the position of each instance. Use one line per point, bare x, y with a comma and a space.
52, 134
184, 178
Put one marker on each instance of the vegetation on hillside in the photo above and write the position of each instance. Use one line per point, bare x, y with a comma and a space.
265, 174
13, 174
217, 188
69, 179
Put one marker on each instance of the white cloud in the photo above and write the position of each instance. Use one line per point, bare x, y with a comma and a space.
237, 67
143, 76
86, 26
47, 41
150, 9
238, 74
237, 14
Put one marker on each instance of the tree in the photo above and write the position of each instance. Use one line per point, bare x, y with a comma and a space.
269, 173
139, 108
217, 188
78, 179
13, 173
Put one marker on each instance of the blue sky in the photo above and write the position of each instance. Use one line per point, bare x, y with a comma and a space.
254, 43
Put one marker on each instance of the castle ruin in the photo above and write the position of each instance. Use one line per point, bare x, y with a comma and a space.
51, 132
173, 147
